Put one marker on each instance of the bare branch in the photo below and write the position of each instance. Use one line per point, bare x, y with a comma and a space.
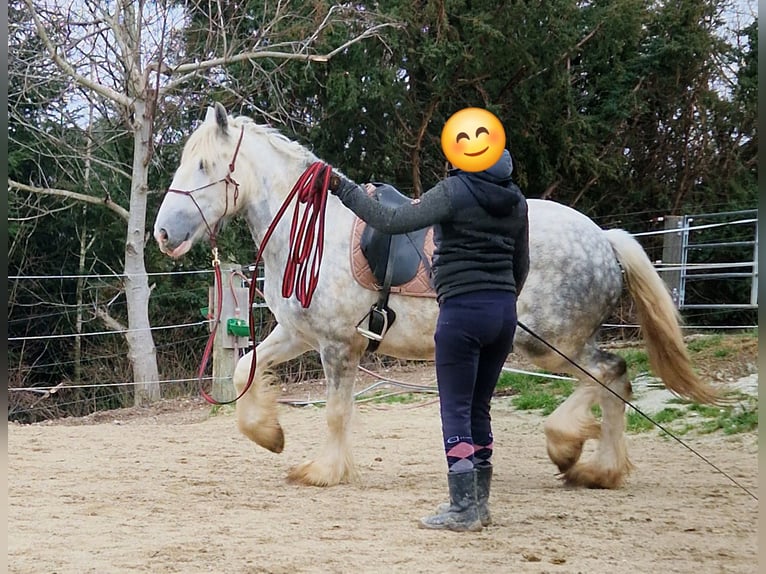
67, 68
110, 321
190, 69
39, 215
106, 201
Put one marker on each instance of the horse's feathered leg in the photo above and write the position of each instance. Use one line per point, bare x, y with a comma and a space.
257, 409
609, 465
335, 464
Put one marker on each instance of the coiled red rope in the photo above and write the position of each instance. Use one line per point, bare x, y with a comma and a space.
304, 259
307, 237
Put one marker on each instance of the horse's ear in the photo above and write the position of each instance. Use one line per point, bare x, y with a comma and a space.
221, 117
210, 115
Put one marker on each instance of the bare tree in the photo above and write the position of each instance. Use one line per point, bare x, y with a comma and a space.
126, 60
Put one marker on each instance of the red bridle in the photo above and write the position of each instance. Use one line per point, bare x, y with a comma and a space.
228, 180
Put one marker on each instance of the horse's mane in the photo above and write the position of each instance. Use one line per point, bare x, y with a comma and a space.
205, 139
275, 138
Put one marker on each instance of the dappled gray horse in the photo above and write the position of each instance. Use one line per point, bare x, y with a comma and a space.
574, 283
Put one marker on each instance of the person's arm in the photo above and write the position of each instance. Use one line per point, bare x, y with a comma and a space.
521, 254
433, 207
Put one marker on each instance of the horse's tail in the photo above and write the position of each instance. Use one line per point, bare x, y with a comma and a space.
659, 320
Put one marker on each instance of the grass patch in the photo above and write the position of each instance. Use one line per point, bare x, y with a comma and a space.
384, 397
710, 353
741, 421
709, 419
716, 357
667, 415
216, 410
702, 343
542, 401
544, 395
730, 420
534, 393
636, 360
706, 411
512, 383
638, 423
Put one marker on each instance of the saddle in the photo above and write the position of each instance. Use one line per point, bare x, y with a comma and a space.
394, 261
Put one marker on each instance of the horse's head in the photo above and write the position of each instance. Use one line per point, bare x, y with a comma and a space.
204, 189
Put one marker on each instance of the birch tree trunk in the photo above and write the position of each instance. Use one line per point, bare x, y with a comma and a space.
142, 352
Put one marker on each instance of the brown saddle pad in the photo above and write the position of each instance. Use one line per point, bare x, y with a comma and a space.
419, 286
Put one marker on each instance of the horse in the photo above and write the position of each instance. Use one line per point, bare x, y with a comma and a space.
232, 166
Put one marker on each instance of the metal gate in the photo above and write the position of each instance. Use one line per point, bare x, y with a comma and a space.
715, 247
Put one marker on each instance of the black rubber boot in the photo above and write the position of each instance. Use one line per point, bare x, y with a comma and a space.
462, 514
483, 482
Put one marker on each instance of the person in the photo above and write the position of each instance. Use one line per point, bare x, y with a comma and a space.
480, 263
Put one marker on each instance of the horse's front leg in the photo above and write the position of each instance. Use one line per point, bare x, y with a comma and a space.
257, 410
335, 464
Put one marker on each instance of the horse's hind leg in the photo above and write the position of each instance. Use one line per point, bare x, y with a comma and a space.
335, 464
257, 410
609, 465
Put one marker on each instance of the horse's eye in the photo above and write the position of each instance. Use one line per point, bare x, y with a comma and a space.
201, 165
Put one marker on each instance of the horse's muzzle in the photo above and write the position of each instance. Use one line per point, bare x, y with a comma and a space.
171, 249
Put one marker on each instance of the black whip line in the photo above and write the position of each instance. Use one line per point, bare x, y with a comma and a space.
639, 411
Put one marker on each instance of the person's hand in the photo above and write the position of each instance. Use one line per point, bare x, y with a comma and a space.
335, 182
369, 188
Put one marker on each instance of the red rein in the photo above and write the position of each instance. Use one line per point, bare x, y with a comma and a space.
304, 259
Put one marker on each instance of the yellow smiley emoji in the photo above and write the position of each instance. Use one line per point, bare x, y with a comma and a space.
473, 139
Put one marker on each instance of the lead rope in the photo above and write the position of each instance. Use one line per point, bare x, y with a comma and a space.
303, 264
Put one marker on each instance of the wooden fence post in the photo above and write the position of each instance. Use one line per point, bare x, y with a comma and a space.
235, 305
672, 248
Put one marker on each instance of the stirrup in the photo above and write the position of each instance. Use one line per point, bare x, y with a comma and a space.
375, 312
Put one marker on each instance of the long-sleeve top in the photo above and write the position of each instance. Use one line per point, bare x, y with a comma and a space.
481, 234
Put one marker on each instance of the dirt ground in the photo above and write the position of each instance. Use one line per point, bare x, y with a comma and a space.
178, 489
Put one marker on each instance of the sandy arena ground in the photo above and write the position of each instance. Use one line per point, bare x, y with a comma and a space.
183, 491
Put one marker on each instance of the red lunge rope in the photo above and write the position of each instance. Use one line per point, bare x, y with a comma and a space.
304, 259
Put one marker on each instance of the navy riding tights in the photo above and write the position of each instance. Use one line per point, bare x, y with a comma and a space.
474, 334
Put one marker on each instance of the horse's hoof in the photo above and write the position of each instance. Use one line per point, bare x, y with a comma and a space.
565, 455
308, 474
273, 439
312, 473
588, 475
269, 436
565, 446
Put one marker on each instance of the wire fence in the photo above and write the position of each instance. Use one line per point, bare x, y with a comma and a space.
658, 232
658, 265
